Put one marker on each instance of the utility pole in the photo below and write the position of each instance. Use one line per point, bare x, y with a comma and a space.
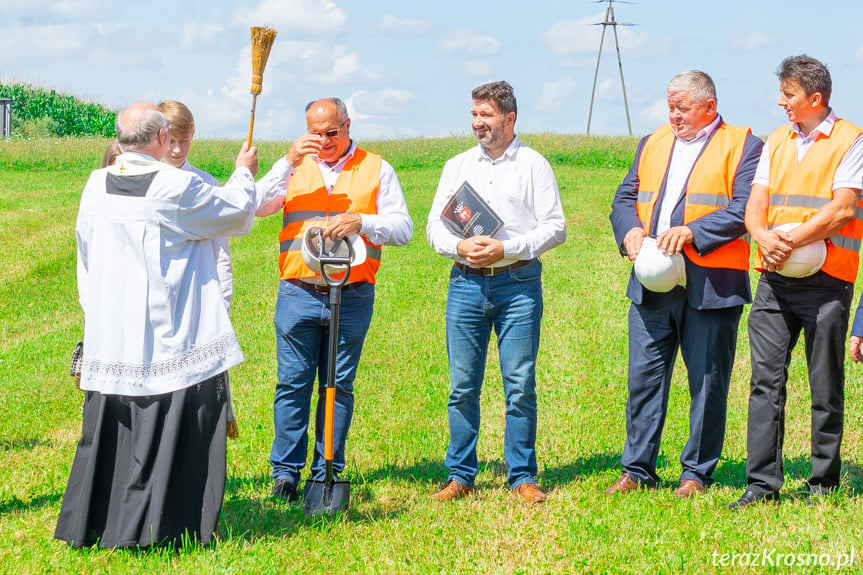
609, 21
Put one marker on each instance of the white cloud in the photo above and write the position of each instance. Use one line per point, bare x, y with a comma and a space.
71, 47
654, 115
584, 62
200, 34
749, 41
51, 11
469, 42
387, 113
76, 9
605, 90
215, 113
350, 104
297, 17
403, 26
573, 36
316, 63
555, 95
389, 101
643, 46
237, 86
377, 107
52, 40
583, 36
474, 69
340, 67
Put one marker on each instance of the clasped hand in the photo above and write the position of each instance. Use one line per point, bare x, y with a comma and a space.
775, 247
480, 251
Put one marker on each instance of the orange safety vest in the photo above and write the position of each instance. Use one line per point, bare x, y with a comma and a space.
798, 191
307, 203
709, 187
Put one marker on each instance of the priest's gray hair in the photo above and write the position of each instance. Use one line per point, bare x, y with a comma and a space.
133, 134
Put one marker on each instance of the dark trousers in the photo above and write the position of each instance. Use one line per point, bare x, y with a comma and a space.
707, 340
820, 306
148, 470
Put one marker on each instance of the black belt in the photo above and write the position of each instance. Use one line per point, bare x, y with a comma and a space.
493, 271
322, 288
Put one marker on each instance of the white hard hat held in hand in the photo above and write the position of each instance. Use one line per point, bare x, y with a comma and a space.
805, 260
315, 247
657, 271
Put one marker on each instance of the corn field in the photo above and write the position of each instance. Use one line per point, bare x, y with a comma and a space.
46, 112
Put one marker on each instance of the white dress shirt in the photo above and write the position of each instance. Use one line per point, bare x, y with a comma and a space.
155, 317
521, 189
391, 226
849, 173
684, 153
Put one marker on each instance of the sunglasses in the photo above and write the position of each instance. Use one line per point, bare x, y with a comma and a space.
330, 133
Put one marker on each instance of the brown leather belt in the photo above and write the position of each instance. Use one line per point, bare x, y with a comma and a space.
491, 271
320, 288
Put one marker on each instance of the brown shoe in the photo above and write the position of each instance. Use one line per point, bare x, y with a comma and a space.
624, 484
451, 491
688, 488
530, 493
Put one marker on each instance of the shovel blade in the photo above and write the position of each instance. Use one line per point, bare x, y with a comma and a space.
326, 498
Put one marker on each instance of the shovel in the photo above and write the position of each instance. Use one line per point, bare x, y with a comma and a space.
329, 496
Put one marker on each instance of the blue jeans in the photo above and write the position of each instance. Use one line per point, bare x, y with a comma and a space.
511, 303
302, 323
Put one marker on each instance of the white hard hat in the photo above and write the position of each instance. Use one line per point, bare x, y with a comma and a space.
805, 260
315, 247
657, 271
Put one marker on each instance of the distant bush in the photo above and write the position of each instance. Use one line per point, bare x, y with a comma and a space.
40, 128
42, 112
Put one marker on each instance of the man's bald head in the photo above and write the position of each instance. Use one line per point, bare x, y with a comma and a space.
328, 105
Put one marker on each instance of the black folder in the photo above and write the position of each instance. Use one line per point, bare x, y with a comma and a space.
467, 214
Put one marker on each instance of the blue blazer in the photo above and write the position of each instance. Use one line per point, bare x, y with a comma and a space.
706, 288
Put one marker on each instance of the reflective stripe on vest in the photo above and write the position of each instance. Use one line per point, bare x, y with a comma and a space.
799, 190
372, 251
714, 169
306, 215
307, 203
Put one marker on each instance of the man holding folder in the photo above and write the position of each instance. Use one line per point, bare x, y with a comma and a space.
494, 283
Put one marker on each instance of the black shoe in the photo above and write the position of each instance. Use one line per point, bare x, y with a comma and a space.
749, 497
819, 493
285, 490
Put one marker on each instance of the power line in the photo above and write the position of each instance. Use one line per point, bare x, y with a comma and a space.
610, 21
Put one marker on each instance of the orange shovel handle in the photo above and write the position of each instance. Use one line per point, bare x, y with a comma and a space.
329, 416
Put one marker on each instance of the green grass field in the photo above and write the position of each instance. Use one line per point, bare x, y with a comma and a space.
399, 435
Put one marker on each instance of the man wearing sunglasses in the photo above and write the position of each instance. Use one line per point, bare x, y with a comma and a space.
324, 180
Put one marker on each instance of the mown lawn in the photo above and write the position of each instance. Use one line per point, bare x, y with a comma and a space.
399, 436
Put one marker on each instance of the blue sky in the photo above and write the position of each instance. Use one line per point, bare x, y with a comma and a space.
406, 69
